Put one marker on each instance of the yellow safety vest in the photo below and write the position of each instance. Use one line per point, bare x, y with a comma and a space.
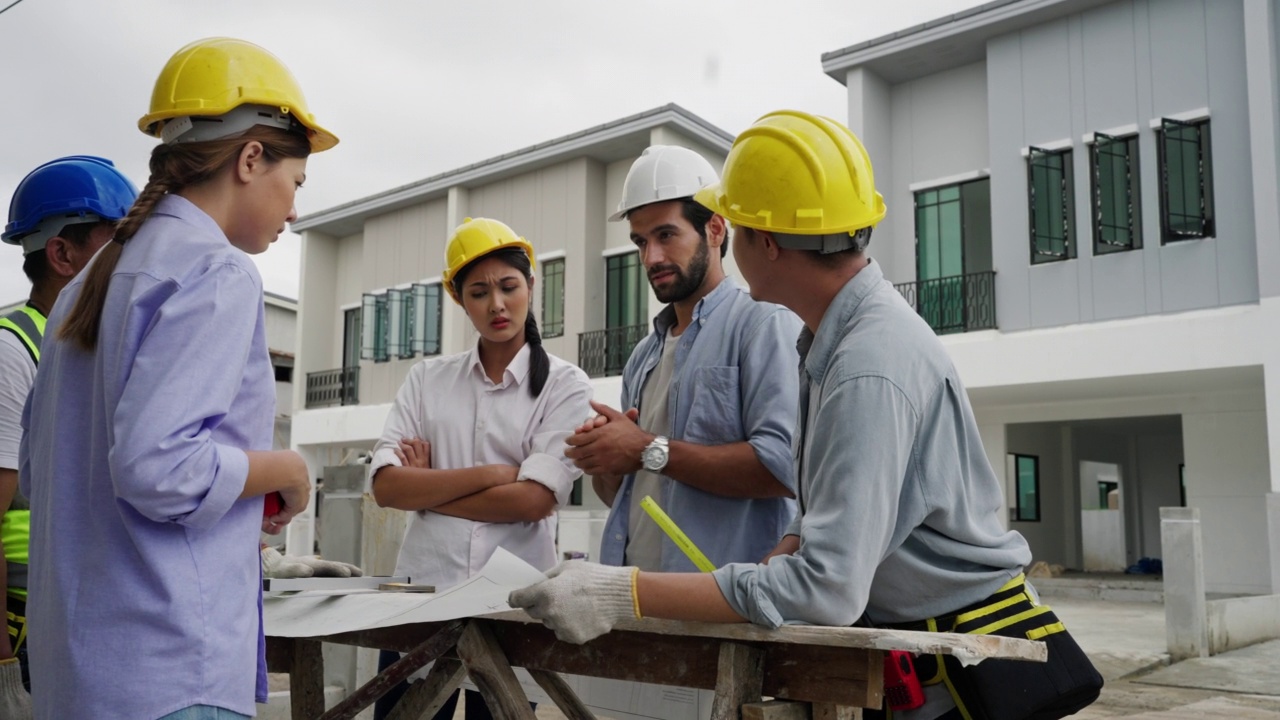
15, 526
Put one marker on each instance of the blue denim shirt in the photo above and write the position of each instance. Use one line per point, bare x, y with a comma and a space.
734, 381
900, 509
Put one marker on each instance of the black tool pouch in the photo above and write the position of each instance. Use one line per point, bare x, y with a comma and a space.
1013, 689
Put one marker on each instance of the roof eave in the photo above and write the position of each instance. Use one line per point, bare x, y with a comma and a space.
342, 217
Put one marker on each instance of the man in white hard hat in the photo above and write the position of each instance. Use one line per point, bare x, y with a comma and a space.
709, 396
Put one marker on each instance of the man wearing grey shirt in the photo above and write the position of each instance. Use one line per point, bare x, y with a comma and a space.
899, 508
713, 389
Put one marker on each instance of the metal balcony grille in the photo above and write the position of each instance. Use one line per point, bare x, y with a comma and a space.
340, 386
605, 352
959, 303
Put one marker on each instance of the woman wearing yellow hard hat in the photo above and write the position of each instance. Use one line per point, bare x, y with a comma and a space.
474, 444
148, 449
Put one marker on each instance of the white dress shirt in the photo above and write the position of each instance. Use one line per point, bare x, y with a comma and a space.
471, 421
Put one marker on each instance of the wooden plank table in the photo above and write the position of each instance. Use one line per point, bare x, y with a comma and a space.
826, 672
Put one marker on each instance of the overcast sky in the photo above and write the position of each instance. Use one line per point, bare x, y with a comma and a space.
418, 88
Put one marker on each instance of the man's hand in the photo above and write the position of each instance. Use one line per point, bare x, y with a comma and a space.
580, 600
15, 701
414, 453
275, 565
610, 443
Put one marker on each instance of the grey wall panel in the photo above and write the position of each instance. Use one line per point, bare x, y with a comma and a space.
1009, 235
1046, 77
949, 122
1047, 537
1053, 294
1118, 287
894, 242
1188, 277
1109, 71
1179, 73
1236, 241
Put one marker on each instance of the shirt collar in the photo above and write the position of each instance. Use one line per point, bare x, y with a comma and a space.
516, 371
666, 319
815, 350
185, 210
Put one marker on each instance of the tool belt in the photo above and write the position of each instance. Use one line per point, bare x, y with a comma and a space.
1011, 689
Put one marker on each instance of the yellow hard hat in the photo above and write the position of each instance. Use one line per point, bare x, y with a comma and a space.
474, 239
792, 172
214, 76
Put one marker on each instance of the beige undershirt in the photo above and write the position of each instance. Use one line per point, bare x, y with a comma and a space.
644, 537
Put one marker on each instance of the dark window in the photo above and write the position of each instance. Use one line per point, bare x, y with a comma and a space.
351, 338
553, 298
953, 245
1051, 204
284, 373
1182, 484
375, 328
1026, 470
1186, 180
1117, 215
626, 300
575, 495
426, 322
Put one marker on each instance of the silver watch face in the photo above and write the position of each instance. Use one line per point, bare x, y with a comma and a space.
654, 458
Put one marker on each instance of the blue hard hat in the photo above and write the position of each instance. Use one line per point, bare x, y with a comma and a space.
75, 187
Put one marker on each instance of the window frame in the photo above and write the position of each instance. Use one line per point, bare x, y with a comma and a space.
1016, 513
352, 335
1067, 200
553, 272
1099, 151
373, 343
1204, 157
425, 298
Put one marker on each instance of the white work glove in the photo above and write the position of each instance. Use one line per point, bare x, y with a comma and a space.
15, 701
275, 565
580, 600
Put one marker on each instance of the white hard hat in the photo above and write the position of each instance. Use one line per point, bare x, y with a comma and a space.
663, 172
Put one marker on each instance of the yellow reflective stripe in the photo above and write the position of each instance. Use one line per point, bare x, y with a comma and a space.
26, 339
1021, 578
1013, 620
36, 317
984, 611
942, 672
15, 534
1050, 629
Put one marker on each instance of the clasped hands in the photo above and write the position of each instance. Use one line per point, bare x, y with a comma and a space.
611, 443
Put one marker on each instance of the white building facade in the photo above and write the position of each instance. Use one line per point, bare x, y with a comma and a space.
1082, 199
371, 302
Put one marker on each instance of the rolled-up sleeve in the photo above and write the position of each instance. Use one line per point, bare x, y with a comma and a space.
568, 406
164, 462
403, 422
862, 440
770, 388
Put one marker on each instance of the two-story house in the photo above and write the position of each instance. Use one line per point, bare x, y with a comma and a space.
1082, 199
371, 302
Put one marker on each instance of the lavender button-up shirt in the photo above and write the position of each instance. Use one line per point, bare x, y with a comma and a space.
145, 588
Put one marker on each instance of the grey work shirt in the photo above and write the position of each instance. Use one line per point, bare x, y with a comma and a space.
899, 505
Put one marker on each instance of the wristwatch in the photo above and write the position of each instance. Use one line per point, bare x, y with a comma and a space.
655, 455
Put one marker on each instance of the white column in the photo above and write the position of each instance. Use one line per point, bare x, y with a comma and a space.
1186, 628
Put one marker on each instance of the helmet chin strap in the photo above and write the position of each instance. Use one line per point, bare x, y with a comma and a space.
197, 128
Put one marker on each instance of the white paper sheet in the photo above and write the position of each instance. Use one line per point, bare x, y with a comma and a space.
314, 613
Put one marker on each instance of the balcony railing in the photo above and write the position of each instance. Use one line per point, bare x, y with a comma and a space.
959, 303
605, 352
340, 386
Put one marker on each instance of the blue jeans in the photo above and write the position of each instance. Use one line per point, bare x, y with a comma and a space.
204, 712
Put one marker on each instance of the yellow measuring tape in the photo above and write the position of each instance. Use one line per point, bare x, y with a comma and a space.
677, 535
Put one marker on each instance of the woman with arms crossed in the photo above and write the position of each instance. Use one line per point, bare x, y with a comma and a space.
474, 445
